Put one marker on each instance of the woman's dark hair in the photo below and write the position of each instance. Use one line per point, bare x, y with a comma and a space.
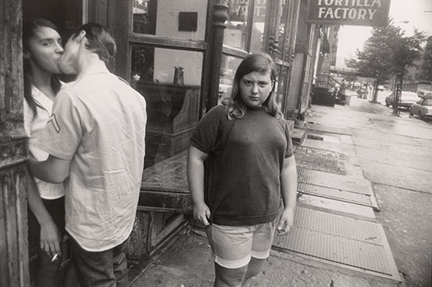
262, 63
29, 30
100, 40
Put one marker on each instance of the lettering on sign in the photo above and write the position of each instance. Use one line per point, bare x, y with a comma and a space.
349, 12
238, 10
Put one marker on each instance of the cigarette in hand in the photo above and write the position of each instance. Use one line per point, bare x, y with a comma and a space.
55, 257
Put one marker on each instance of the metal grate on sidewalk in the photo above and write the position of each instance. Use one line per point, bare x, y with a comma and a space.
346, 242
327, 129
337, 194
331, 180
346, 188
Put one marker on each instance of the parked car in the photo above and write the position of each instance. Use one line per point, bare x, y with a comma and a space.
424, 93
406, 100
381, 88
423, 108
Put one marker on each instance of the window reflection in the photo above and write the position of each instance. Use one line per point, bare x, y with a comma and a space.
257, 37
170, 82
283, 31
236, 31
180, 19
228, 68
281, 81
144, 21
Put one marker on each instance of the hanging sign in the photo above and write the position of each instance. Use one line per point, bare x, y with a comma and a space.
349, 12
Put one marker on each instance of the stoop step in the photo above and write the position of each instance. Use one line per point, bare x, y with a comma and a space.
298, 136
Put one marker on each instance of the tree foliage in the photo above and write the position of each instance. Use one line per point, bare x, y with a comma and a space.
388, 52
426, 68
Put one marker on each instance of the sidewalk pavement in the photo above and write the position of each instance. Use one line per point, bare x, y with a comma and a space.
328, 148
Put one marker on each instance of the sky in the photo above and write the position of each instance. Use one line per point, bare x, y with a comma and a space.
406, 14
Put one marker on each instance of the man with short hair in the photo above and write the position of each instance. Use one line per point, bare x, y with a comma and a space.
95, 138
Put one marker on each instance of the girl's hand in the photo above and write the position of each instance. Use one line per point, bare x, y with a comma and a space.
201, 213
50, 239
286, 221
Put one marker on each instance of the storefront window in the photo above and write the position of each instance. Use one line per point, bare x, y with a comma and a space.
170, 82
284, 32
281, 84
180, 19
236, 32
228, 68
257, 37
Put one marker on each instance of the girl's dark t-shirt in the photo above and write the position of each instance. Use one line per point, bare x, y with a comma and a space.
242, 172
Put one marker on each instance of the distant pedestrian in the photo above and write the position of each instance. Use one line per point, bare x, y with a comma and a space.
247, 152
95, 138
343, 86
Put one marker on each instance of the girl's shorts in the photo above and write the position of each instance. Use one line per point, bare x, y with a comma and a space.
234, 246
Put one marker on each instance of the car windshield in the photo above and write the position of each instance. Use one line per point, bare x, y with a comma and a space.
427, 102
411, 97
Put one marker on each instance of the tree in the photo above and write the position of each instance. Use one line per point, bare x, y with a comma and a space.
426, 67
387, 52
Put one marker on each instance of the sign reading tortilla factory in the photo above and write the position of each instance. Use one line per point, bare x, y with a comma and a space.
349, 12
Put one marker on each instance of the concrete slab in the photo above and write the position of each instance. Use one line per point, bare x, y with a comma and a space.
336, 207
343, 241
389, 138
409, 147
336, 181
337, 195
395, 158
398, 176
327, 128
298, 136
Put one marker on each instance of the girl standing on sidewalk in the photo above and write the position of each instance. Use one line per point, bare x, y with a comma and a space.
247, 152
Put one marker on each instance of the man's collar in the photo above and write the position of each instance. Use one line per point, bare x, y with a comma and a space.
95, 68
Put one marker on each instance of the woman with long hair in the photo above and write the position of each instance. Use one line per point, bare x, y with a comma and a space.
42, 49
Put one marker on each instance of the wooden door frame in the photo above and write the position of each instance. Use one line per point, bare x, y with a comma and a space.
14, 266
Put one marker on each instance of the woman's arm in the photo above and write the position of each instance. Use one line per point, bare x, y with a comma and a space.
50, 237
195, 174
289, 194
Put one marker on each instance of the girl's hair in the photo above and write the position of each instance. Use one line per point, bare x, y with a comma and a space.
29, 30
262, 63
100, 40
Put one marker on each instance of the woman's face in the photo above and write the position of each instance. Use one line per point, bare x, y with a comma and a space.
255, 88
45, 49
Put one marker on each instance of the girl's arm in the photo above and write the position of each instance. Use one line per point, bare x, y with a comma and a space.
195, 174
289, 194
50, 237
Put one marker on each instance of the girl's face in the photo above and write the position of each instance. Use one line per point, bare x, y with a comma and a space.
255, 88
45, 49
